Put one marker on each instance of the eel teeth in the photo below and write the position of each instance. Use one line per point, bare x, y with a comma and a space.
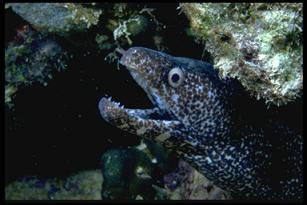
115, 103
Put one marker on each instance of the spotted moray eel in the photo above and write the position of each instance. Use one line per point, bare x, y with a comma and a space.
194, 115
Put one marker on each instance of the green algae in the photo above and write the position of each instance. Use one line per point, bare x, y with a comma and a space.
260, 44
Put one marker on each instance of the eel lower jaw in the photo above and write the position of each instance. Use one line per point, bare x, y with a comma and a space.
139, 122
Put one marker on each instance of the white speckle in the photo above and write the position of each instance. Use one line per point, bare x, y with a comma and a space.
208, 159
249, 185
228, 157
192, 142
154, 160
175, 98
199, 89
210, 94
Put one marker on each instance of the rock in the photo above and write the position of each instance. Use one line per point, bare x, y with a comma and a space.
185, 183
31, 57
84, 185
60, 18
260, 44
149, 172
127, 174
131, 27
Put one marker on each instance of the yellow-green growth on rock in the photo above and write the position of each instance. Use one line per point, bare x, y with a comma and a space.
57, 18
85, 185
260, 44
32, 57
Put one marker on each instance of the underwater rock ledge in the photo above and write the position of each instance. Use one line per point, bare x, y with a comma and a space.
260, 44
57, 18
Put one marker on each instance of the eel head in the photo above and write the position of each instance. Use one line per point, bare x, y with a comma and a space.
185, 93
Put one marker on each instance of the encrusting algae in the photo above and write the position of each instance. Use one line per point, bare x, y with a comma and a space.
260, 44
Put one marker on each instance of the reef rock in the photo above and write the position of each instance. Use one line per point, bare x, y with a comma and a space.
85, 185
31, 57
260, 44
185, 183
59, 18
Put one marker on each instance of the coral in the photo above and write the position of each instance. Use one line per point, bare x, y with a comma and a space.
124, 24
59, 18
83, 185
131, 27
164, 161
260, 44
27, 190
103, 42
30, 58
126, 173
136, 172
9, 94
186, 183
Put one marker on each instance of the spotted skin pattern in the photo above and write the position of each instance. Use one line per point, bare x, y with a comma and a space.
197, 119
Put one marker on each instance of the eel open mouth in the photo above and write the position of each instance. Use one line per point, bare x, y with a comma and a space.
112, 110
115, 113
156, 124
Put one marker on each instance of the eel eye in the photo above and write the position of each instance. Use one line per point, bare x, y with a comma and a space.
175, 77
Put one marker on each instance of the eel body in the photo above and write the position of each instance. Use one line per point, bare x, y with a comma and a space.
196, 115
